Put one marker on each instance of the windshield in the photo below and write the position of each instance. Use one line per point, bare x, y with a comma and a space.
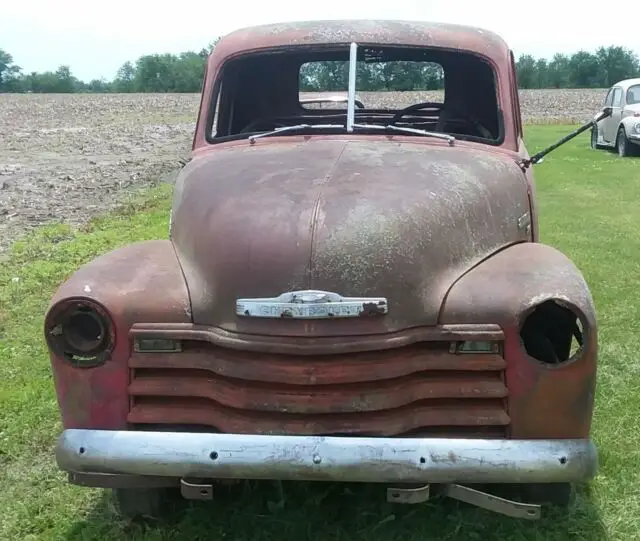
358, 89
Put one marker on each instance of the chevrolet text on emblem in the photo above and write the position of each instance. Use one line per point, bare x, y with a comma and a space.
312, 304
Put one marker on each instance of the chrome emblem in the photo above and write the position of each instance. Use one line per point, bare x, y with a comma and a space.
312, 304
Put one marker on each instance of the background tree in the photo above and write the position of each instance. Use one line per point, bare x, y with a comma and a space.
559, 71
184, 73
65, 82
527, 69
541, 74
584, 70
124, 80
615, 63
8, 72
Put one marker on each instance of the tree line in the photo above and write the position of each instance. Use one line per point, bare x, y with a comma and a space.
184, 72
150, 73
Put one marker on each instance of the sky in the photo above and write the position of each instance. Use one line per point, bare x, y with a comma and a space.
96, 38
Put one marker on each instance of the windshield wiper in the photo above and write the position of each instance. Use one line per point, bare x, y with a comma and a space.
391, 127
296, 127
387, 127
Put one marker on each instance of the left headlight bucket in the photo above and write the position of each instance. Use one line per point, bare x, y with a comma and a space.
554, 332
81, 332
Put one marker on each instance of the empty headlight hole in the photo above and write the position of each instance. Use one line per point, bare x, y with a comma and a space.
84, 330
552, 333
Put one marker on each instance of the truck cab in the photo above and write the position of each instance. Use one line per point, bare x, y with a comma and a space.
352, 287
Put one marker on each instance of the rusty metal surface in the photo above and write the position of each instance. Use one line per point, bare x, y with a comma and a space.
544, 401
314, 345
375, 396
359, 218
142, 281
427, 387
450, 415
379, 32
439, 232
317, 370
364, 31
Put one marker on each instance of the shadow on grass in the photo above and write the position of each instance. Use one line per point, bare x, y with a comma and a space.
259, 511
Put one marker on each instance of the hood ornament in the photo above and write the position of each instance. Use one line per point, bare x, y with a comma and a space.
312, 304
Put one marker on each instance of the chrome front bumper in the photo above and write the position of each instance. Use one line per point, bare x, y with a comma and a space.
349, 459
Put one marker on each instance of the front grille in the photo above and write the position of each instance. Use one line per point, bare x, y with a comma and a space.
420, 389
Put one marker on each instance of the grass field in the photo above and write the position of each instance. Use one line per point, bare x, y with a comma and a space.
588, 209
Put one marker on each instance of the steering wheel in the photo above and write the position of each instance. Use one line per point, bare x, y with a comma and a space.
416, 107
440, 107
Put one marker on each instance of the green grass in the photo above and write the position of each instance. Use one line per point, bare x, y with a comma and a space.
589, 204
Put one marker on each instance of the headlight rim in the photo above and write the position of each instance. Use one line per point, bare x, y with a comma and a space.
59, 343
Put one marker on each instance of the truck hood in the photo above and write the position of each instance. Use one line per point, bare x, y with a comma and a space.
368, 218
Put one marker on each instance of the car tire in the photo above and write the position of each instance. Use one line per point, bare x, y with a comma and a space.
137, 503
594, 138
622, 145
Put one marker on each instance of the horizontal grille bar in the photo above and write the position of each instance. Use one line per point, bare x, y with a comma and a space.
320, 369
301, 344
370, 396
467, 413
483, 432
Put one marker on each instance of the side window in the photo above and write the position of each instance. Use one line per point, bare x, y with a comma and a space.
216, 108
516, 96
202, 97
609, 98
222, 106
617, 97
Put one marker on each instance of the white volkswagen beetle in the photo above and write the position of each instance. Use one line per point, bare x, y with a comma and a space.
621, 130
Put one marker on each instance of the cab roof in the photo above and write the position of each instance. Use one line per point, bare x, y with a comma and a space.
626, 83
364, 31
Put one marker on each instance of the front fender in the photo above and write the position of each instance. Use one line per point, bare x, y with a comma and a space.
545, 400
141, 282
630, 122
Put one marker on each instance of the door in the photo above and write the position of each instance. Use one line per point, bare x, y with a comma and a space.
602, 125
610, 128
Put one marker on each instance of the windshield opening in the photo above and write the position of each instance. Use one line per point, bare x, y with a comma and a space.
415, 91
388, 85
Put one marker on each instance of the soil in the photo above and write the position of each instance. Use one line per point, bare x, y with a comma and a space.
69, 157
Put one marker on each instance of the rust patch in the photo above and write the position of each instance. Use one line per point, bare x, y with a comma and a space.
385, 394
372, 309
292, 369
545, 400
121, 282
447, 416
381, 392
311, 344
405, 229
